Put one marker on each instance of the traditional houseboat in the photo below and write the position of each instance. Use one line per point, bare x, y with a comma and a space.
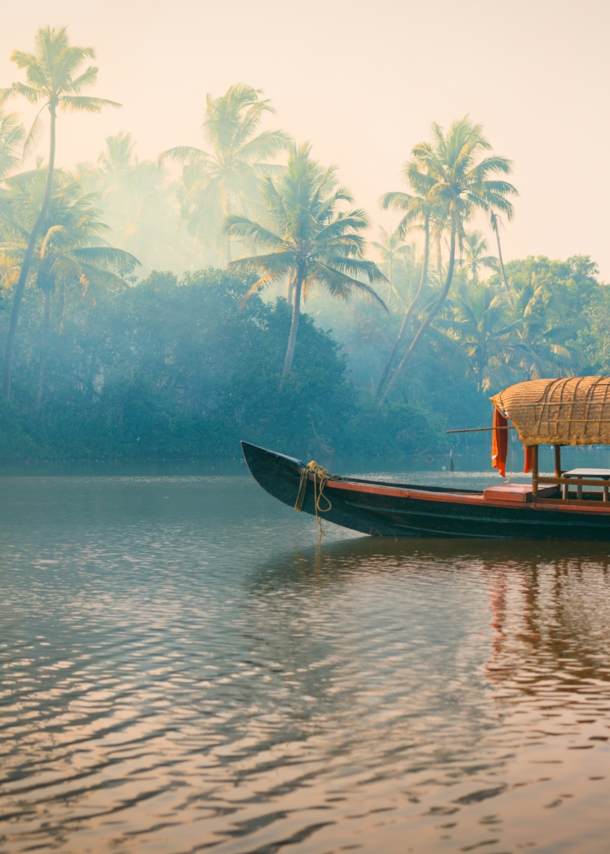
565, 505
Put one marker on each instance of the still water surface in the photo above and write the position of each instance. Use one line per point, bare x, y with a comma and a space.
183, 667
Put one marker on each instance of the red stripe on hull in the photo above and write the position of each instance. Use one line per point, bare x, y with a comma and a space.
457, 498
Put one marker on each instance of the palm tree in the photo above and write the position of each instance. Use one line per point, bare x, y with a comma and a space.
417, 214
216, 184
70, 250
535, 346
475, 247
139, 203
310, 242
478, 322
494, 221
391, 247
55, 79
452, 172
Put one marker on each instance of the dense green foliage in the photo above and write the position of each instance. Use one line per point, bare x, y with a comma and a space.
176, 369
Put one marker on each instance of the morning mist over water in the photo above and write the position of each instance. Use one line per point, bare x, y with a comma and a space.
333, 231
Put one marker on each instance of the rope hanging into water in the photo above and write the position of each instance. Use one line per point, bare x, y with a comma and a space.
319, 476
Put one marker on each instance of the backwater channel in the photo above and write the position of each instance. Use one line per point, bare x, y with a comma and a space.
185, 666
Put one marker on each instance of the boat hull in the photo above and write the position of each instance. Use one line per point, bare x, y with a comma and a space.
407, 510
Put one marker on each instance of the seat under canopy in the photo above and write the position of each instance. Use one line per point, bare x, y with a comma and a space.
568, 411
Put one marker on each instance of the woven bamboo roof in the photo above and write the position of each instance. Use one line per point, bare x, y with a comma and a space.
572, 411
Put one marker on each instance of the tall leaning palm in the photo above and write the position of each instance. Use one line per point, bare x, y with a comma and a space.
494, 222
391, 247
56, 81
311, 240
417, 212
454, 171
218, 183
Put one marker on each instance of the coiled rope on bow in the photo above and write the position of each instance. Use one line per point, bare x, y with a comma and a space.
319, 476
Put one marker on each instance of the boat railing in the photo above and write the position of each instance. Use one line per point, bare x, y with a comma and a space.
594, 481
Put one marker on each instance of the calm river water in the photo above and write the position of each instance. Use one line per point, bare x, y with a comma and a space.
183, 667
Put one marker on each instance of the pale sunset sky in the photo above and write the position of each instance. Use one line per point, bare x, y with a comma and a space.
363, 81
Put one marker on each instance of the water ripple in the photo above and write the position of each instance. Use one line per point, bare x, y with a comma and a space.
184, 668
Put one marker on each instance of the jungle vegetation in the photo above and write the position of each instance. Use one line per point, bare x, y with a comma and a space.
170, 308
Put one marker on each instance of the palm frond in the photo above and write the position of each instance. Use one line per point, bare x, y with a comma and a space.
28, 92
85, 103
34, 134
183, 154
107, 255
276, 264
341, 285
83, 81
244, 228
266, 144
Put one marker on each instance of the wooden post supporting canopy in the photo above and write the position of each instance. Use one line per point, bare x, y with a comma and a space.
535, 471
564, 491
557, 460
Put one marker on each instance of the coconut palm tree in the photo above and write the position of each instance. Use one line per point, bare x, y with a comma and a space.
311, 242
477, 320
226, 181
139, 203
495, 222
391, 247
536, 346
454, 171
417, 213
55, 78
70, 251
475, 247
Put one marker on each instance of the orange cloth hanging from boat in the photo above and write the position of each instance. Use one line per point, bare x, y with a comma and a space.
499, 443
527, 458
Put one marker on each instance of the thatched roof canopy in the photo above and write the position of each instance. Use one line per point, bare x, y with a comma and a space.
572, 411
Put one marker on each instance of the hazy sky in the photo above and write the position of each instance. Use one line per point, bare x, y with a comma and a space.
363, 81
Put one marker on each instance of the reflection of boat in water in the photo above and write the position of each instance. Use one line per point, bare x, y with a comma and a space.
569, 505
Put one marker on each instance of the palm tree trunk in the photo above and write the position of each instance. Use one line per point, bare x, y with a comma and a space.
405, 321
62, 308
226, 210
494, 222
44, 343
429, 317
294, 325
439, 256
290, 291
27, 263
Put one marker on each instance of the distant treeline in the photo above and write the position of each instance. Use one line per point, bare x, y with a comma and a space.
104, 357
180, 369
177, 369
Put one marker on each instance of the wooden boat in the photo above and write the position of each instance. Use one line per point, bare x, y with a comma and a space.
568, 505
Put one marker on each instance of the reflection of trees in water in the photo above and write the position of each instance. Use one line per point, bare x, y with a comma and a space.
551, 623
362, 647
550, 605
377, 650
315, 616
288, 627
